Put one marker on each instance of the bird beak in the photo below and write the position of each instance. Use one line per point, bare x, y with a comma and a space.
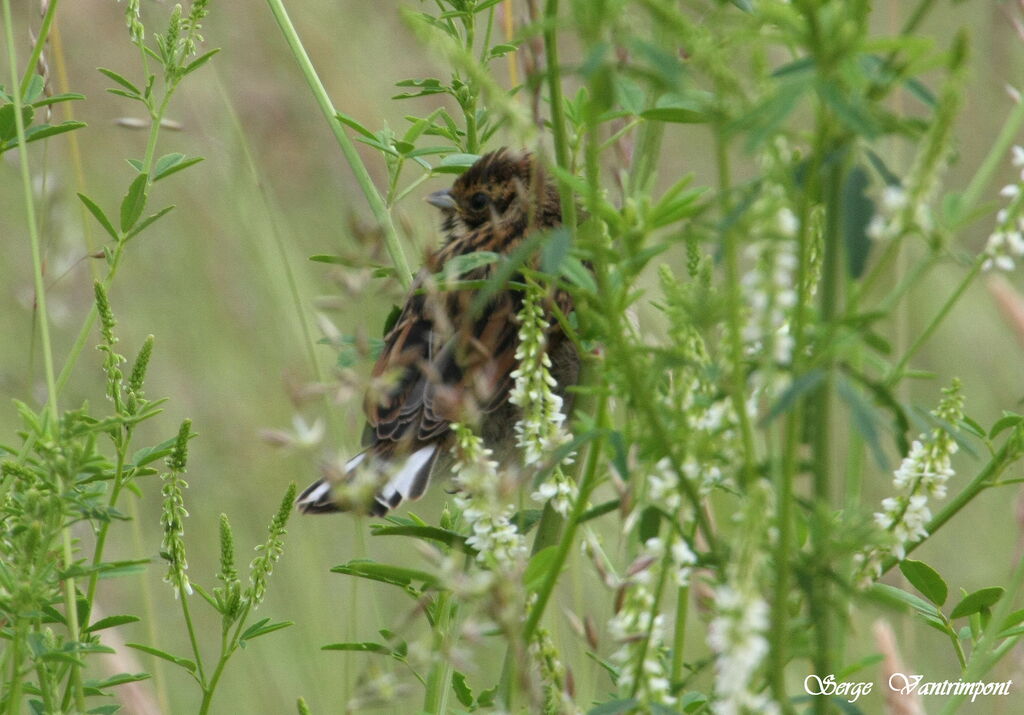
442, 199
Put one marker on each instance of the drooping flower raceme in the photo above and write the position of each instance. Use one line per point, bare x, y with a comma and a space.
1005, 246
540, 430
641, 633
498, 544
737, 637
922, 474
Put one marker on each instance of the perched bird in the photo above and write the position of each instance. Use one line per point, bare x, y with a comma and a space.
447, 359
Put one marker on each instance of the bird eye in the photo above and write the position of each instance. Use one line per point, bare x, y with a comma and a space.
478, 201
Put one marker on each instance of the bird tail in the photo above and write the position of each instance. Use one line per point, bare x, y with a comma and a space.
408, 481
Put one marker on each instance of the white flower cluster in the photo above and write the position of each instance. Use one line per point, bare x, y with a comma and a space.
923, 473
1006, 244
540, 430
737, 637
896, 216
555, 675
634, 625
498, 544
769, 290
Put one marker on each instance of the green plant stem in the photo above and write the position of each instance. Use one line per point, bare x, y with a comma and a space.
1011, 450
586, 486
982, 657
210, 688
558, 128
14, 694
730, 239
435, 699
101, 537
70, 596
996, 155
679, 633
380, 212
186, 612
40, 43
652, 614
897, 371
71, 614
271, 215
819, 600
30, 218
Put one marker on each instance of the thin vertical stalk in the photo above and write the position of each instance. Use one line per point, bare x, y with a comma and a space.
70, 601
376, 202
819, 599
439, 680
37, 48
30, 218
730, 239
559, 131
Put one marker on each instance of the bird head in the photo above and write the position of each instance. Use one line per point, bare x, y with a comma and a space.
498, 189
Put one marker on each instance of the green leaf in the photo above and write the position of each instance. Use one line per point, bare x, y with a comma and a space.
1007, 421
134, 202
147, 455
105, 569
34, 89
858, 210
692, 701
576, 273
427, 533
691, 108
386, 573
119, 679
538, 568
865, 662
800, 387
898, 597
110, 622
365, 647
108, 709
392, 319
8, 125
42, 131
98, 214
599, 510
849, 109
926, 580
976, 602
455, 163
554, 251
525, 519
466, 262
149, 221
199, 62
179, 166
501, 50
650, 522
57, 99
262, 628
614, 707
111, 74
166, 162
462, 690
185, 663
864, 419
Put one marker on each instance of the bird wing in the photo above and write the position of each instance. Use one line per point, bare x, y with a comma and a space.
440, 361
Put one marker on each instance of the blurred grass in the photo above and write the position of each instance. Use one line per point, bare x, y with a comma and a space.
208, 283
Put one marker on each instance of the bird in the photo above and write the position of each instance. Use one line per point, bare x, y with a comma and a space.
446, 359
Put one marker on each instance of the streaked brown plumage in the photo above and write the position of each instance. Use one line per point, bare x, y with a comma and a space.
442, 363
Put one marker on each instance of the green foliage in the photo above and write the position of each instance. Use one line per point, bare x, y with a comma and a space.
745, 402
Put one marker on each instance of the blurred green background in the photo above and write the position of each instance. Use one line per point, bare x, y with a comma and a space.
209, 282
